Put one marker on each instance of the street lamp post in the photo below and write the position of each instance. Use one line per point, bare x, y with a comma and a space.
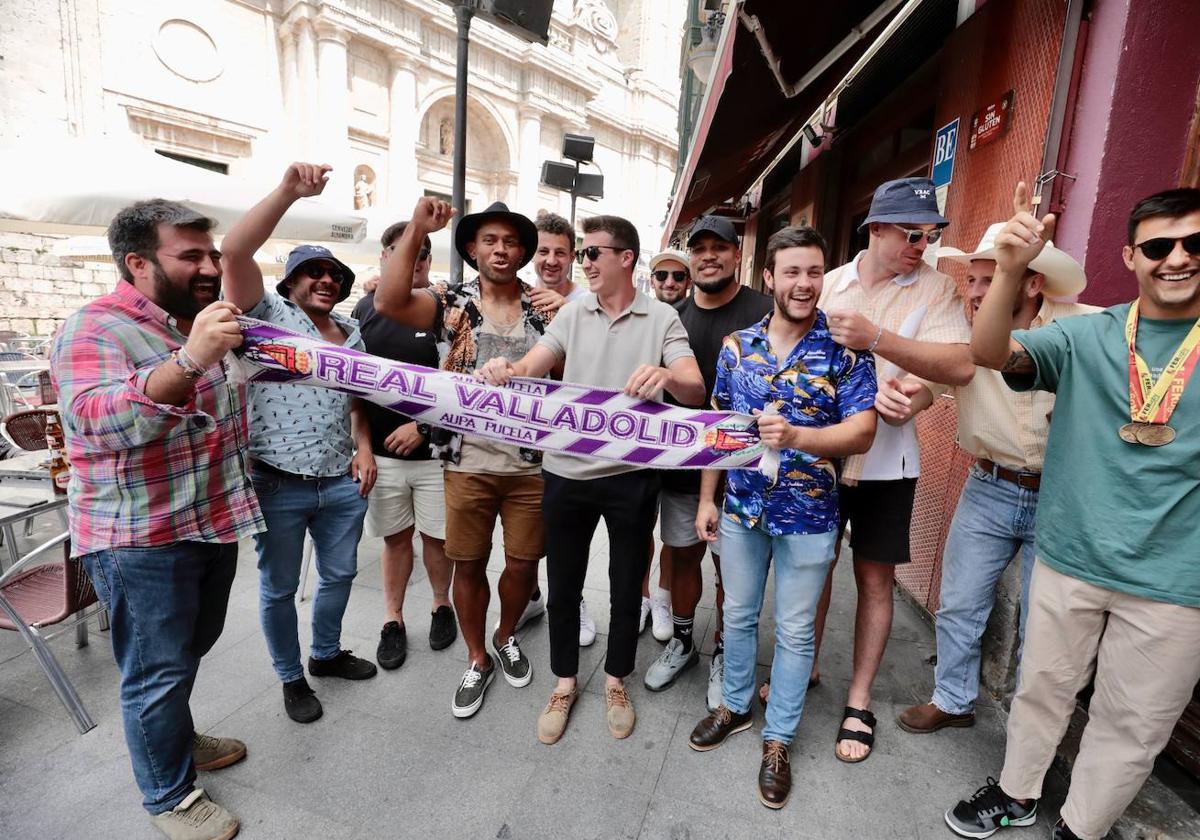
464, 10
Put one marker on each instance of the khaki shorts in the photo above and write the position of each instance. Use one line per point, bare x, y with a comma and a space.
472, 502
407, 493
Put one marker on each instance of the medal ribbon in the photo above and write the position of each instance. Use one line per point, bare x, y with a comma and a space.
1150, 401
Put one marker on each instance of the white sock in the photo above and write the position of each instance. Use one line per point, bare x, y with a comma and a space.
663, 596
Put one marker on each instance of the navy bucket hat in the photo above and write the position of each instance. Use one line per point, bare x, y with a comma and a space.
302, 254
907, 200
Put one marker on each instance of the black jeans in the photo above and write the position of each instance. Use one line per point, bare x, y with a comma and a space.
572, 509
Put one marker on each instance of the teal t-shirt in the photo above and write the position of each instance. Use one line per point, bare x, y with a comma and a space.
1121, 516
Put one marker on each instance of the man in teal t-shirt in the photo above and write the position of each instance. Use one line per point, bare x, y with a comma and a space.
1116, 586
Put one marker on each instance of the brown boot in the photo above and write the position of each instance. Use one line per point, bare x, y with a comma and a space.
775, 775
926, 717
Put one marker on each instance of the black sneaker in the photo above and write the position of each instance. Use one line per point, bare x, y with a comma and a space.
343, 665
515, 665
393, 646
299, 701
987, 811
1062, 832
469, 696
442, 628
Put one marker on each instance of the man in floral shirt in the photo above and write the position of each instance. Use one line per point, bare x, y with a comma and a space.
815, 402
488, 316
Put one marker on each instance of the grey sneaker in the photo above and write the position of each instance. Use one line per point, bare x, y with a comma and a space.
197, 818
210, 753
667, 668
469, 696
716, 682
514, 664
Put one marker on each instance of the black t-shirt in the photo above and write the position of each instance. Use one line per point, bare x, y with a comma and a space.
706, 329
390, 340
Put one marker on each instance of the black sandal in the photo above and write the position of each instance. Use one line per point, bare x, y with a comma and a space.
867, 738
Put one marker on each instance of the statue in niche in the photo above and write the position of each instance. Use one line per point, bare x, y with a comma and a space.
445, 137
364, 188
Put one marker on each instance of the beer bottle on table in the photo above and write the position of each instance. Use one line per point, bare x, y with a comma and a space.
60, 472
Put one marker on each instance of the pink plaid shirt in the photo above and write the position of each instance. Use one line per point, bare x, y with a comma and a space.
145, 474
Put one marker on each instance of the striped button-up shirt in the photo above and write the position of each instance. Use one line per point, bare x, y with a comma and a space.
1006, 427
143, 473
924, 305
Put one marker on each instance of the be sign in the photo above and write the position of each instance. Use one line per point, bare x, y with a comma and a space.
944, 145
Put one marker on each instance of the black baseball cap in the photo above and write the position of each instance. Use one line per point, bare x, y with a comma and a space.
718, 226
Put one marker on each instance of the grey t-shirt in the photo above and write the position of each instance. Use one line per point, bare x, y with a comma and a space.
604, 352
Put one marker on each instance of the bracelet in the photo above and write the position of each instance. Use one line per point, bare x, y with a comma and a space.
875, 343
191, 370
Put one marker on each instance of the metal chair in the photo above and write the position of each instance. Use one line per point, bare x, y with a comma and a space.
26, 429
16, 356
45, 595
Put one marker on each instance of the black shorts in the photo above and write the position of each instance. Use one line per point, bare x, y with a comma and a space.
879, 514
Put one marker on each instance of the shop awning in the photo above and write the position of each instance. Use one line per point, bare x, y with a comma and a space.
775, 66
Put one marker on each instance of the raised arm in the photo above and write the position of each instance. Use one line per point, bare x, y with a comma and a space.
1018, 243
394, 297
242, 280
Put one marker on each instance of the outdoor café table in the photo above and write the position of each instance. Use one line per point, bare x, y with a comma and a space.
16, 369
25, 491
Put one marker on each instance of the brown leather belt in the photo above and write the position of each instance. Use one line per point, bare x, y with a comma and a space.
1024, 480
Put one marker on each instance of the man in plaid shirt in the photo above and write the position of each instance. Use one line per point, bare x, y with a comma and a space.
160, 494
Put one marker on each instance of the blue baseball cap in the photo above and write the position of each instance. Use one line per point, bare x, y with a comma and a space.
302, 254
911, 200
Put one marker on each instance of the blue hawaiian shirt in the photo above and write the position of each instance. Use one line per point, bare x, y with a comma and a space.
820, 384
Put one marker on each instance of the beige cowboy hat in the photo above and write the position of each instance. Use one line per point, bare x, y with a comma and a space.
1064, 276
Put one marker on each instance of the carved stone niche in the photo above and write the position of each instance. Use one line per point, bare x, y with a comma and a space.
364, 187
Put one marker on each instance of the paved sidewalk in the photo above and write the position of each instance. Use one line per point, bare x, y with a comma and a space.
389, 760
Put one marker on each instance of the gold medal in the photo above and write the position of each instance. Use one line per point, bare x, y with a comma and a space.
1151, 402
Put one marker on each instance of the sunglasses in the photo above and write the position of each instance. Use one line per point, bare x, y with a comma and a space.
914, 236
1161, 247
678, 276
592, 252
315, 271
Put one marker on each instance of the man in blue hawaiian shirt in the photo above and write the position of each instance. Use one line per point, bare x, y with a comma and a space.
815, 403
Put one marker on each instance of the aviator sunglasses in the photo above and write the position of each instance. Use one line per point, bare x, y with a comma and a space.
1161, 247
914, 236
592, 252
678, 276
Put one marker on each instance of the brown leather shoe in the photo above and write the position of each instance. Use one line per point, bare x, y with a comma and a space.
775, 775
926, 717
711, 732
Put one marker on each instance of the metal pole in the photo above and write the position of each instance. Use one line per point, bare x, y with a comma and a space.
463, 11
574, 194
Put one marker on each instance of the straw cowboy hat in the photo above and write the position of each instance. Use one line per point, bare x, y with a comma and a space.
1064, 276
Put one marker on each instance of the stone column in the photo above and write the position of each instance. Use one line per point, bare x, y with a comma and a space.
333, 113
403, 188
305, 113
290, 82
529, 158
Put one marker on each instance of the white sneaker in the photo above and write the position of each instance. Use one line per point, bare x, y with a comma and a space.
716, 682
660, 617
644, 618
587, 627
535, 608
667, 668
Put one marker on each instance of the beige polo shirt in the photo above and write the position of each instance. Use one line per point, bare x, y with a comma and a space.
604, 352
923, 305
1008, 427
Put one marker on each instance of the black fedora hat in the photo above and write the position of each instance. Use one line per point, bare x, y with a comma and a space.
469, 225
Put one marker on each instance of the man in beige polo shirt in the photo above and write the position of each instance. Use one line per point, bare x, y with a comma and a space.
615, 337
1006, 431
889, 301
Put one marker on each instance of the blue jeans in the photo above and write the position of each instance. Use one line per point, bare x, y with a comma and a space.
167, 608
801, 565
332, 511
993, 523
